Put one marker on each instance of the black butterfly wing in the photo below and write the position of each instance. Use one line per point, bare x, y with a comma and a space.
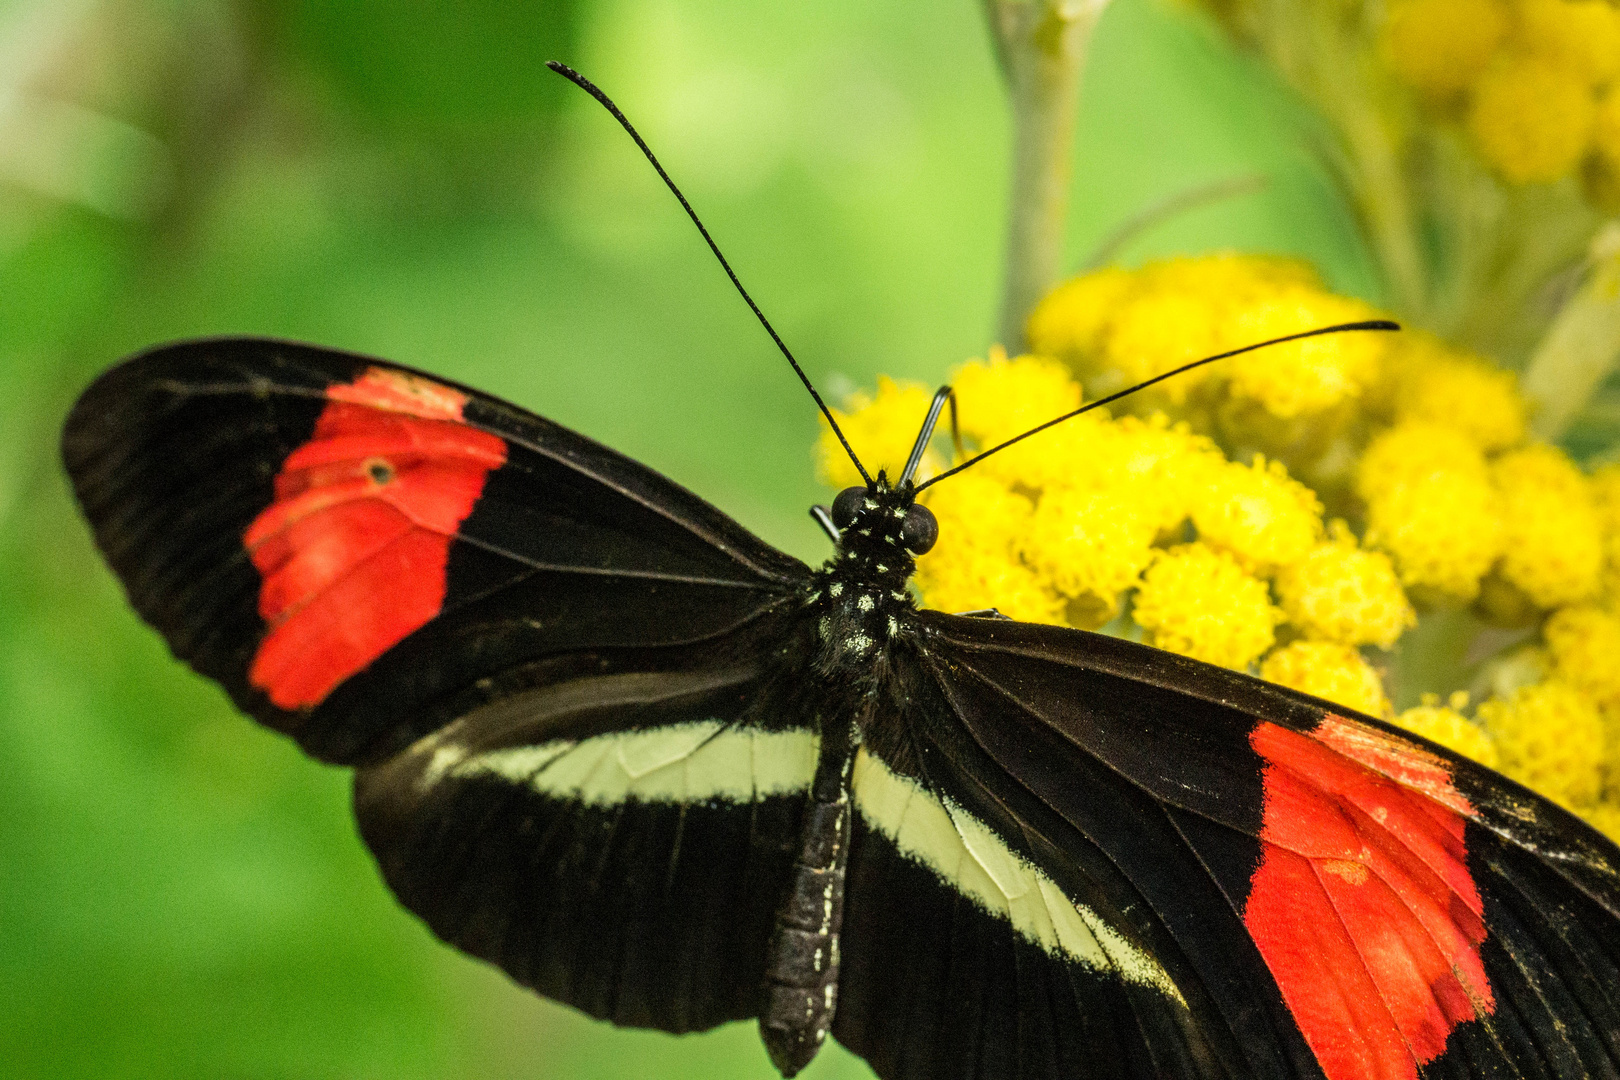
359, 553
616, 842
1329, 896
544, 657
992, 931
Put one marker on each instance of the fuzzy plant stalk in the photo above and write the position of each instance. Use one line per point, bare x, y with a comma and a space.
1041, 46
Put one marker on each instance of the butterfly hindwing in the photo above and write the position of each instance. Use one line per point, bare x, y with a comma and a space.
359, 553
617, 842
1414, 914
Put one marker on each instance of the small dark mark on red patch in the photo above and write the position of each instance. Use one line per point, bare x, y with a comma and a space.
1363, 906
352, 552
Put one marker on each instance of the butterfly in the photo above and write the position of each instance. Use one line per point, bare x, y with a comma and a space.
609, 741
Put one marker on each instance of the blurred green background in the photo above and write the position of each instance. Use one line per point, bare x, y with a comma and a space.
181, 895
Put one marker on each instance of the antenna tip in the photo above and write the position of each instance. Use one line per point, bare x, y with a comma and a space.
1380, 324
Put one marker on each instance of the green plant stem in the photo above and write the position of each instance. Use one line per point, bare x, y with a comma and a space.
1042, 48
1582, 344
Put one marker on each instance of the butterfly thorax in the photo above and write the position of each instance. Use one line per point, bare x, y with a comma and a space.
859, 596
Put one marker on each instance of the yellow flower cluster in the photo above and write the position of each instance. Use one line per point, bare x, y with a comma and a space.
1116, 328
1535, 80
1170, 527
1461, 505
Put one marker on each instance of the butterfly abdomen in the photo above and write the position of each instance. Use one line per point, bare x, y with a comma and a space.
802, 964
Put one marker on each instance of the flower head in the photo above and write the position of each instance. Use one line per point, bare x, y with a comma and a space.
1439, 46
1091, 545
999, 398
1532, 117
1431, 506
1306, 376
975, 564
1202, 603
1071, 321
1436, 384
1552, 538
1579, 36
1584, 643
1258, 513
1550, 737
1328, 670
1343, 594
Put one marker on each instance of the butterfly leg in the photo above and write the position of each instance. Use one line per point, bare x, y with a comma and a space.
801, 971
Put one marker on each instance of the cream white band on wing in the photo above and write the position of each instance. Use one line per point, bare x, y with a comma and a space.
972, 860
682, 763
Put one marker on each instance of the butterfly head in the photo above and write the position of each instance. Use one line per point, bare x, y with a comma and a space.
862, 590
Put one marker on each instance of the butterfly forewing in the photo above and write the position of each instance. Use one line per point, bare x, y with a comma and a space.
360, 553
1067, 952
1408, 925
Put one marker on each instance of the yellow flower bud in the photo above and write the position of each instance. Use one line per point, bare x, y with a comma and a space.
1585, 646
970, 578
1416, 451
1552, 541
1058, 456
1451, 730
1090, 544
1258, 513
1328, 670
1606, 501
1340, 593
973, 507
1071, 322
1531, 119
1431, 506
1302, 376
1581, 37
1443, 533
1438, 46
1000, 398
1156, 331
1240, 278
1199, 602
1551, 738
975, 564
1450, 388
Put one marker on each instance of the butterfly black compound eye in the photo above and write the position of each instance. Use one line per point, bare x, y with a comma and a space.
847, 506
920, 530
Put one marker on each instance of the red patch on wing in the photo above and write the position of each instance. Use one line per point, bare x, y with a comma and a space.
353, 550
1363, 906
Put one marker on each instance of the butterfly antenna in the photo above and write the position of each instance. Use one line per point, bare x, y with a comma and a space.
1370, 324
607, 103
